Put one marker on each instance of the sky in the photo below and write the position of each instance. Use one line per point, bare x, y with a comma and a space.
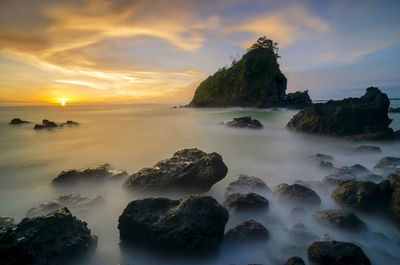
137, 51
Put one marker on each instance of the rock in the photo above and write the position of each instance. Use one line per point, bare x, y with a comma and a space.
387, 165
246, 202
300, 233
46, 124
191, 225
56, 238
297, 194
340, 219
101, 173
334, 179
189, 170
248, 231
245, 122
298, 100
395, 200
336, 253
355, 170
363, 195
368, 149
295, 261
297, 213
246, 184
372, 177
73, 201
394, 110
17, 121
6, 221
326, 165
360, 118
70, 123
322, 158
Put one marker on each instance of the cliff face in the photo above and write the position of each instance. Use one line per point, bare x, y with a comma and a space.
253, 81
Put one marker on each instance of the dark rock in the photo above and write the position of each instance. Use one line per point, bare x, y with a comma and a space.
326, 165
368, 149
246, 202
297, 194
334, 179
189, 170
387, 165
363, 195
57, 238
17, 121
361, 118
70, 123
73, 201
248, 231
395, 200
394, 110
46, 124
97, 174
311, 184
245, 122
298, 100
322, 157
295, 261
340, 219
355, 170
191, 225
6, 221
372, 177
246, 184
336, 253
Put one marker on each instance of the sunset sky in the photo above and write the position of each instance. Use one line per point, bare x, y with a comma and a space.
123, 51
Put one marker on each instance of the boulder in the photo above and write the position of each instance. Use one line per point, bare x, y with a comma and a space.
245, 122
46, 124
101, 173
394, 110
301, 234
336, 253
371, 177
368, 149
387, 165
359, 118
248, 231
334, 179
297, 194
73, 201
298, 100
395, 200
340, 219
191, 225
57, 238
326, 165
355, 170
295, 261
70, 123
6, 221
246, 184
246, 202
189, 170
17, 121
297, 213
363, 195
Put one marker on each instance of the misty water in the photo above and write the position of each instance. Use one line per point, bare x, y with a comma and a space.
131, 137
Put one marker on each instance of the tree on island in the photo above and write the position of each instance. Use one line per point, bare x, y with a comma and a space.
265, 43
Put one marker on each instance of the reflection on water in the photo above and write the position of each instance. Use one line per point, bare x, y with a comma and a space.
132, 137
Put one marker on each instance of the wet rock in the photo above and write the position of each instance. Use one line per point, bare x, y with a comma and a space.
6, 221
46, 124
387, 165
394, 110
248, 231
245, 122
17, 121
96, 174
340, 219
356, 170
322, 157
334, 179
295, 261
360, 118
297, 194
246, 202
189, 170
191, 225
363, 195
246, 184
326, 165
395, 200
336, 253
368, 149
298, 100
56, 238
73, 201
372, 177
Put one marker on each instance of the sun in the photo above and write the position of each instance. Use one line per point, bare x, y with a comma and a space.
63, 101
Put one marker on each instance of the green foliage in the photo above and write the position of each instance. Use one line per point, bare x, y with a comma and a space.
265, 43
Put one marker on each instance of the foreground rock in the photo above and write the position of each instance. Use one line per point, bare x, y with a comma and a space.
6, 221
101, 173
248, 231
17, 121
191, 225
297, 194
295, 261
363, 195
388, 165
189, 170
340, 219
57, 238
246, 202
359, 118
336, 253
246, 184
334, 179
74, 201
395, 200
245, 122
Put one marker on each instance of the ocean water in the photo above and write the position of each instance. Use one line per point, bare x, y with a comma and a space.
131, 137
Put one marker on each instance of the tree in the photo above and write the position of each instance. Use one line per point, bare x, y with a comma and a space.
265, 43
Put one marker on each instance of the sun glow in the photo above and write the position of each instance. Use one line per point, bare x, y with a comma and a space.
63, 101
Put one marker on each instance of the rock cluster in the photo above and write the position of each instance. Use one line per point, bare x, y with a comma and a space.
297, 194
246, 184
17, 121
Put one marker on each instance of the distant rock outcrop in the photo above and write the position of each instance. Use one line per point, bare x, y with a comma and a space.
245, 122
17, 121
358, 118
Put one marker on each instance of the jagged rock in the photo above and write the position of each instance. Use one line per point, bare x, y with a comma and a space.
368, 149
355, 170
248, 231
298, 100
334, 179
336, 253
363, 195
387, 165
322, 157
295, 261
57, 238
73, 201
17, 121
245, 122
394, 110
340, 219
297, 194
189, 170
246, 202
360, 118
96, 174
191, 225
46, 124
246, 184
6, 221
